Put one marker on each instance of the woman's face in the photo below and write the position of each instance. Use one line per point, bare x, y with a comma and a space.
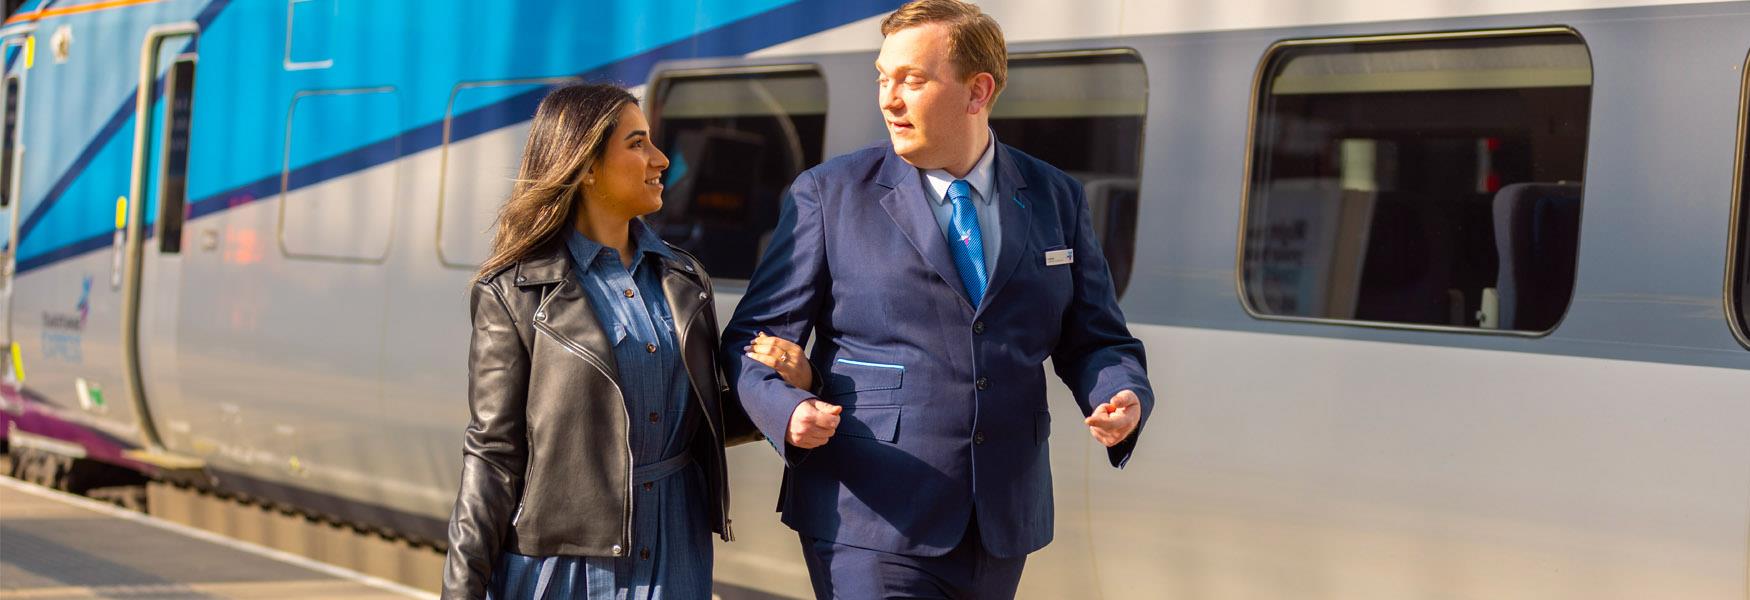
628, 178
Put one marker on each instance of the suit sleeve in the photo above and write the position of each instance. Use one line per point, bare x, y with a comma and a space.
783, 299
1095, 355
494, 448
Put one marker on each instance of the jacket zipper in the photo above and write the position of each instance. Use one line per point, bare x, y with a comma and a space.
722, 464
626, 530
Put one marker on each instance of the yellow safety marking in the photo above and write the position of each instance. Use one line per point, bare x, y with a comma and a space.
29, 51
121, 212
17, 362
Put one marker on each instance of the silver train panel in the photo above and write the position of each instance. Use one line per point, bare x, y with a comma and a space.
1294, 466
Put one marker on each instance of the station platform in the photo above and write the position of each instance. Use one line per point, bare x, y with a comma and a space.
57, 546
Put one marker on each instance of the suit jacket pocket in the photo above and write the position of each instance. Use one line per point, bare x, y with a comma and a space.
852, 382
873, 422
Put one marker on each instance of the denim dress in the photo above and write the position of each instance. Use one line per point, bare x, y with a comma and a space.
670, 552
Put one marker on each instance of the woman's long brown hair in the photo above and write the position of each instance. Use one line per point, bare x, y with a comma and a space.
569, 134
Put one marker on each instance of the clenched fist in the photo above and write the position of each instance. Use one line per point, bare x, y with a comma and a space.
813, 423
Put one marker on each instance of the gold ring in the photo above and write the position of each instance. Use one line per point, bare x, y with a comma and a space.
783, 357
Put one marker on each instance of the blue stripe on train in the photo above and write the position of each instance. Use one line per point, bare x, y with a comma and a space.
106, 139
738, 37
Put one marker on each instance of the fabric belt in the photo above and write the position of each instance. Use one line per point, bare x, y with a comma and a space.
663, 468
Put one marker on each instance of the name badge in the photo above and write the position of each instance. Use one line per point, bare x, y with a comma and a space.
1059, 257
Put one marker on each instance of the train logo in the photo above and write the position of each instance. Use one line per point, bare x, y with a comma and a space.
64, 333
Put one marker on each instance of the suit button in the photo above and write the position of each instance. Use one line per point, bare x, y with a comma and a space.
629, 293
978, 438
983, 383
978, 327
618, 550
651, 348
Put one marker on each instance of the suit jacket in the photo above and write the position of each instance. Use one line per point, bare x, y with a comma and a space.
944, 403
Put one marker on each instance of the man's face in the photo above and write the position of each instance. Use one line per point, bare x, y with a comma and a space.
925, 100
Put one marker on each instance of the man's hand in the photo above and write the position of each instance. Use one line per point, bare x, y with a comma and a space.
1111, 422
813, 423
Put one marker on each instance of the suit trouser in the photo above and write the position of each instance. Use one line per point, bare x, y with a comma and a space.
967, 572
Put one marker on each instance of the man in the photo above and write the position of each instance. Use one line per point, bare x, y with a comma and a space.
940, 271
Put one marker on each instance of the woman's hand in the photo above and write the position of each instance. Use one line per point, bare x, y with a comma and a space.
783, 356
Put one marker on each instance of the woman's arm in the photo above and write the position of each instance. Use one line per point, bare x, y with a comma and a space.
494, 449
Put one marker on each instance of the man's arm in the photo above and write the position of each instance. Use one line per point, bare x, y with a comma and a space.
782, 299
1095, 355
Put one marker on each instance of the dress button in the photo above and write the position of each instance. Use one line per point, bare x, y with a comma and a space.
648, 485
978, 438
644, 553
654, 417
983, 383
978, 327
618, 550
651, 348
629, 293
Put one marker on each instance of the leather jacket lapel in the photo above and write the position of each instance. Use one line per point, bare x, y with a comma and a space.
565, 312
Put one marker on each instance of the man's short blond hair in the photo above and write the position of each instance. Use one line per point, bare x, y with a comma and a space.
975, 41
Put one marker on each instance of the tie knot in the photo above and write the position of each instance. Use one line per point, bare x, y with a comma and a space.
959, 189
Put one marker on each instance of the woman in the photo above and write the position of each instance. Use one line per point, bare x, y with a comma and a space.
593, 463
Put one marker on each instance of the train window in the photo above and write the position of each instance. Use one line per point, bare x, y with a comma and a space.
1738, 296
346, 219
735, 140
1083, 112
173, 185
1422, 181
480, 160
9, 143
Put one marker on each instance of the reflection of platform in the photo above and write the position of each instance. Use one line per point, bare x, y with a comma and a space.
58, 546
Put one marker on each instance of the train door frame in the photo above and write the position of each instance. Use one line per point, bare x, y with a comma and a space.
152, 50
14, 186
1738, 232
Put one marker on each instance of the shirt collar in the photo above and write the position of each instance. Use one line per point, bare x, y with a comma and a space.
585, 251
981, 178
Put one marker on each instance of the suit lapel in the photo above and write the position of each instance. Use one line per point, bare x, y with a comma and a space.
1017, 215
906, 204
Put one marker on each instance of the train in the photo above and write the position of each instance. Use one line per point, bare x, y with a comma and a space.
1440, 300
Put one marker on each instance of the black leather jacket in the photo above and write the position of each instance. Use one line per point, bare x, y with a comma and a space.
546, 468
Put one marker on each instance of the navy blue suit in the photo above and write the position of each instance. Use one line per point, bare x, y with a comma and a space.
944, 404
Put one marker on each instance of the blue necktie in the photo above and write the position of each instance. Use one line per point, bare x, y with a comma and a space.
967, 245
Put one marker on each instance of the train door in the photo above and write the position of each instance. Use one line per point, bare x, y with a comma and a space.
152, 226
11, 180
